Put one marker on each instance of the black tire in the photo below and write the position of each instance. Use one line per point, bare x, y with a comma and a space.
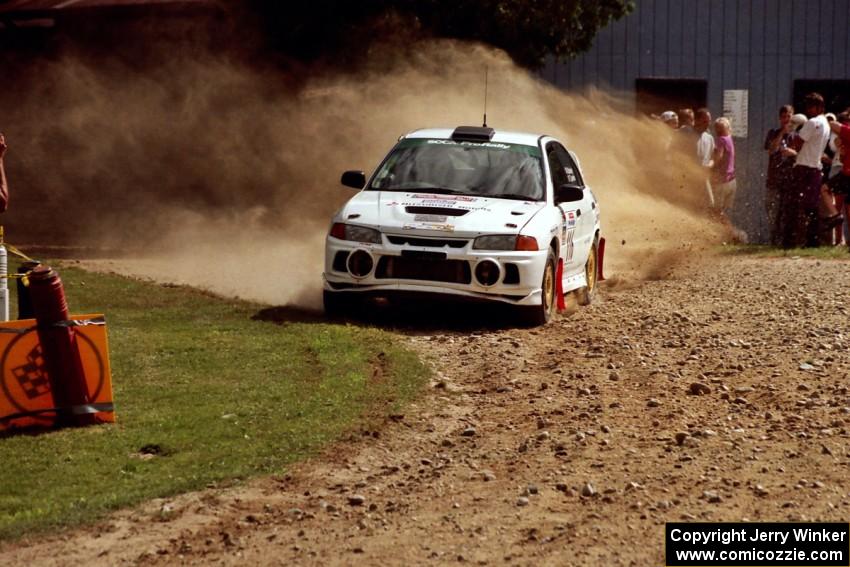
586, 294
336, 304
537, 315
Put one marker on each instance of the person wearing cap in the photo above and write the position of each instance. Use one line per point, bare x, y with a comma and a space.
830, 227
830, 159
839, 184
4, 186
804, 196
829, 150
778, 171
670, 118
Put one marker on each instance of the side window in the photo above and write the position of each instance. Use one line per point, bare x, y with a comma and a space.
556, 166
570, 168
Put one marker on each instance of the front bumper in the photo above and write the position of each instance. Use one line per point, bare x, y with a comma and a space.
402, 263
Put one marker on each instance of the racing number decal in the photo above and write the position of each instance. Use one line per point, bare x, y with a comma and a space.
567, 231
570, 245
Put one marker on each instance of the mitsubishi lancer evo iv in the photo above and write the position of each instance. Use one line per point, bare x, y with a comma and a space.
473, 212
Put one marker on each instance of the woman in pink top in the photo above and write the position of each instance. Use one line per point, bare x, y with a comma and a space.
723, 174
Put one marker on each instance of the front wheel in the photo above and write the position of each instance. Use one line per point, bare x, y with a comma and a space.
537, 315
591, 274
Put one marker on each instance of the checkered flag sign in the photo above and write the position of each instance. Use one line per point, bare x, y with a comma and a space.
32, 376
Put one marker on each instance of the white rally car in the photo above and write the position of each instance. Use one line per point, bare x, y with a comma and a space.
471, 212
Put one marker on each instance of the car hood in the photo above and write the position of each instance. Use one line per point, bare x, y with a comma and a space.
428, 213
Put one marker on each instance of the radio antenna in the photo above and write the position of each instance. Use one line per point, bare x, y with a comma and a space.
485, 95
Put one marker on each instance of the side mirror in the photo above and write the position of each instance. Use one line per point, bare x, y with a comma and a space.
568, 193
356, 179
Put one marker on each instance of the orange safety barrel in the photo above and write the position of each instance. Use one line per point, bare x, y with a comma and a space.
59, 347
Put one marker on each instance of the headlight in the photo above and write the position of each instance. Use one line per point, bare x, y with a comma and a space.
495, 242
362, 234
355, 233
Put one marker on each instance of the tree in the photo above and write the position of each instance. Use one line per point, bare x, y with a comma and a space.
528, 30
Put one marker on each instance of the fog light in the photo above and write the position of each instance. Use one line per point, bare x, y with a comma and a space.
360, 264
487, 272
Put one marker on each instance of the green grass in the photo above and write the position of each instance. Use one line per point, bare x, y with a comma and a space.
224, 397
763, 251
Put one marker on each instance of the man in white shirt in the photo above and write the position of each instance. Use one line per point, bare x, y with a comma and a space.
806, 176
705, 148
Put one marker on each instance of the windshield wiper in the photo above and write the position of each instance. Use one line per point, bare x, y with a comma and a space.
440, 190
436, 190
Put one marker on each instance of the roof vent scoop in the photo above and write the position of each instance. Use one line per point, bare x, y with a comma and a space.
472, 134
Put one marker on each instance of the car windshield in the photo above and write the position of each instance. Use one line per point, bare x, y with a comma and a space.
489, 169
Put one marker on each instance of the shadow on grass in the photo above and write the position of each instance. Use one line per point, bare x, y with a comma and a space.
410, 315
29, 431
290, 314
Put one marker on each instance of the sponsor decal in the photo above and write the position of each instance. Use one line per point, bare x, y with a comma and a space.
476, 144
442, 198
430, 218
428, 226
443, 205
571, 218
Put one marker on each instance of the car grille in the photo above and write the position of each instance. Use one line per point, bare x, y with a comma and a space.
340, 260
420, 268
511, 274
427, 242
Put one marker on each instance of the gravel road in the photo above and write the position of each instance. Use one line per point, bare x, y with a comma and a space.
717, 393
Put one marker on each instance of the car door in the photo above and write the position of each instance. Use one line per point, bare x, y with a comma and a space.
575, 214
584, 209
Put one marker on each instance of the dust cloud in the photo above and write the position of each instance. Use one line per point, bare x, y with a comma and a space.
207, 173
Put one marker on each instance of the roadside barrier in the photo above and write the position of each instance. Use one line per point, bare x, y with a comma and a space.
54, 367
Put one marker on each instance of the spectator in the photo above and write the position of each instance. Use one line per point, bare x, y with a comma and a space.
806, 176
705, 148
839, 184
686, 121
778, 170
670, 118
833, 146
789, 202
830, 220
4, 186
723, 180
829, 150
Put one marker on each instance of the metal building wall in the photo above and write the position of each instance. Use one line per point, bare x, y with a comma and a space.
758, 45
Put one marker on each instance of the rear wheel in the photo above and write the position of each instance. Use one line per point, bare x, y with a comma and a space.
591, 273
541, 314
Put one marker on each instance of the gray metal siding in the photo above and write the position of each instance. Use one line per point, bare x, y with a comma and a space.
758, 45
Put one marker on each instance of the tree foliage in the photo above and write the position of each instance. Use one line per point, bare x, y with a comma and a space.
528, 30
